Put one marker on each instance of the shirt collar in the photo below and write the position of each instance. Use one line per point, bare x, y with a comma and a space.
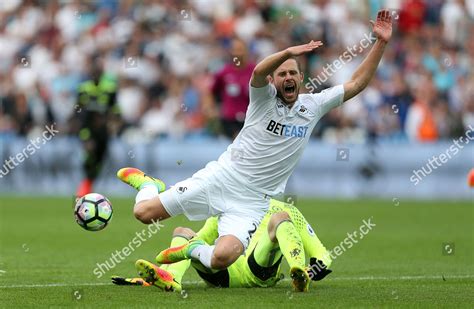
294, 109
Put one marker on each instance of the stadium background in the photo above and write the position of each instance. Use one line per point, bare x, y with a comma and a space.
165, 56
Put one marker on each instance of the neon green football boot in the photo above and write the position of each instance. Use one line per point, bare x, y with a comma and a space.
138, 179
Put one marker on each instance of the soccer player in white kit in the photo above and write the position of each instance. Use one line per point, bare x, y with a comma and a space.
256, 166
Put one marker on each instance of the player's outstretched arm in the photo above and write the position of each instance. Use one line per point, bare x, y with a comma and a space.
382, 28
272, 62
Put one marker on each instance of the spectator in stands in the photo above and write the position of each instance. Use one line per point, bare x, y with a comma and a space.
433, 39
421, 123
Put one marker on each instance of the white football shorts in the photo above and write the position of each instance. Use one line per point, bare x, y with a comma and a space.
212, 191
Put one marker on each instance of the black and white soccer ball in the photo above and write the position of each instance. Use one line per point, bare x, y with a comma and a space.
93, 211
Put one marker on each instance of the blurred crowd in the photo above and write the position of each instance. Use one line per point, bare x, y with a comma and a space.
168, 57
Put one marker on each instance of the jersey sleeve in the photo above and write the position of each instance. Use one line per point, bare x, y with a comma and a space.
260, 100
262, 94
328, 99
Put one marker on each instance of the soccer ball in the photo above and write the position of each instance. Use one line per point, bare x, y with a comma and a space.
93, 211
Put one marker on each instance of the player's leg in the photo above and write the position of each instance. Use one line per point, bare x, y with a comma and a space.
188, 197
235, 230
226, 250
235, 233
282, 230
95, 147
148, 210
279, 238
209, 234
235, 226
236, 220
181, 236
242, 211
215, 278
212, 277
265, 259
148, 206
167, 277
320, 259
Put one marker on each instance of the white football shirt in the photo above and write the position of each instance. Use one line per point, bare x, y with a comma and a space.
270, 144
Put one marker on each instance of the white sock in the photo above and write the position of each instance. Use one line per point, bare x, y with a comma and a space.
203, 253
146, 193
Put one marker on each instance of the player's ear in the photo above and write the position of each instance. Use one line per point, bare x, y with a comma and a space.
302, 77
270, 79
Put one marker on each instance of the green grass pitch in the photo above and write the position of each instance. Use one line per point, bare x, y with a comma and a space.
47, 260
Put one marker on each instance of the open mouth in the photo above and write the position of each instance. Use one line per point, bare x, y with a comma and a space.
289, 89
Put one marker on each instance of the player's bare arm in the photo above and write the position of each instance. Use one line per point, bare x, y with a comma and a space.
382, 28
272, 62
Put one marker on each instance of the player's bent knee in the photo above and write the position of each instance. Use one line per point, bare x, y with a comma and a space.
142, 213
221, 260
180, 230
150, 211
275, 220
184, 232
225, 253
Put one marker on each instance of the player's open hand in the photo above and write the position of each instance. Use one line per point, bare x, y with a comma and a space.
305, 48
382, 27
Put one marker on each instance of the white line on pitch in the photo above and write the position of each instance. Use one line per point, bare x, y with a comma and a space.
46, 285
405, 277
